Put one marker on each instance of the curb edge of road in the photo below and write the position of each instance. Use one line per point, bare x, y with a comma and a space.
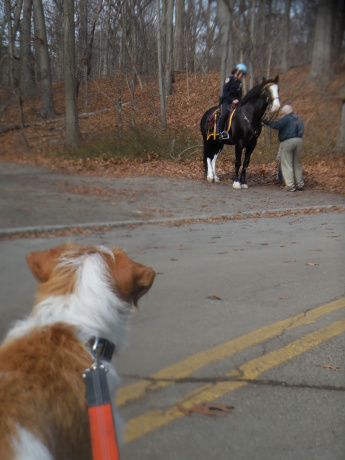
171, 220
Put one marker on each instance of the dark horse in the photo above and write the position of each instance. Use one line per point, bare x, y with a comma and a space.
244, 130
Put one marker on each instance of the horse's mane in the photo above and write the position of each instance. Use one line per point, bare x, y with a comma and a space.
255, 92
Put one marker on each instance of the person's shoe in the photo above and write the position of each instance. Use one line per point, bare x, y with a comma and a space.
290, 189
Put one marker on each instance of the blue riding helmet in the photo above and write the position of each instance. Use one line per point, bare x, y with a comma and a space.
242, 68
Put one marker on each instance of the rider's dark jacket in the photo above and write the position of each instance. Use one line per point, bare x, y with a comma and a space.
232, 89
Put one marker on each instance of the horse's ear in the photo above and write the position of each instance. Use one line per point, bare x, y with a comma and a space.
276, 79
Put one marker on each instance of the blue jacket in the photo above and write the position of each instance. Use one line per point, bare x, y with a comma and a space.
288, 127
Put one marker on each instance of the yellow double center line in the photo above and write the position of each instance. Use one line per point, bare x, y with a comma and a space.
147, 422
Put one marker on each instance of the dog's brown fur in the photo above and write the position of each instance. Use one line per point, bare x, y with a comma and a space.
41, 385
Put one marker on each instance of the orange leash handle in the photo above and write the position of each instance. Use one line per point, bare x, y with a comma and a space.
102, 427
103, 437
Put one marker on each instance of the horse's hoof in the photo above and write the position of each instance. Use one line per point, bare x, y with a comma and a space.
210, 180
244, 186
217, 180
236, 185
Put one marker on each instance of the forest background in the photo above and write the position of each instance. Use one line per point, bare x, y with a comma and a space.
118, 87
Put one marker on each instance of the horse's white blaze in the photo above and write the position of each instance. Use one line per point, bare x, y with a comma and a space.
275, 97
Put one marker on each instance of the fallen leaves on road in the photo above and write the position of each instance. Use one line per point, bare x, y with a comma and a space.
289, 261
330, 366
219, 410
213, 297
312, 264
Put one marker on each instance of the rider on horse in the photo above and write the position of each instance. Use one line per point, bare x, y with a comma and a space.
232, 93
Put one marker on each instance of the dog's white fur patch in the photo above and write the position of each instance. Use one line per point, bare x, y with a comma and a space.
93, 308
27, 446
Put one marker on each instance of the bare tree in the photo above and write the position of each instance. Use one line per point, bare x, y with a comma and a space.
179, 35
341, 136
43, 61
322, 48
286, 38
27, 83
224, 11
169, 64
14, 83
73, 135
261, 37
160, 67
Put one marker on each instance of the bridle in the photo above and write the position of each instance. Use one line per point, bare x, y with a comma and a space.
268, 114
269, 100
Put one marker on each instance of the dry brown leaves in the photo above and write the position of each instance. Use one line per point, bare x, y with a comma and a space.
203, 408
184, 108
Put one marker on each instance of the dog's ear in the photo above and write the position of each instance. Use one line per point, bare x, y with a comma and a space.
132, 280
42, 263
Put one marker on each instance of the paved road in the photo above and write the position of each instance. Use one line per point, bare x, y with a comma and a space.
33, 199
247, 313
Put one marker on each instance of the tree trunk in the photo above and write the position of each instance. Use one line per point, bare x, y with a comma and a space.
42, 58
123, 39
261, 37
169, 67
73, 136
284, 65
341, 136
179, 35
12, 77
224, 18
82, 47
338, 30
321, 57
163, 31
27, 82
160, 69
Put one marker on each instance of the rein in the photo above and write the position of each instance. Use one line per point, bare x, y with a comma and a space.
269, 116
102, 428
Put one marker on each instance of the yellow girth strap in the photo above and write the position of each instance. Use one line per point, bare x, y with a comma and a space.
230, 119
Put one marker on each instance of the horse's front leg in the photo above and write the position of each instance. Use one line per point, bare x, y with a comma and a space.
238, 154
249, 151
211, 169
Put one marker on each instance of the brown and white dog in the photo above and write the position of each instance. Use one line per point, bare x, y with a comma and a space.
84, 292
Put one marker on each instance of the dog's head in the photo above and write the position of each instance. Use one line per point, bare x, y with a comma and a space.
57, 270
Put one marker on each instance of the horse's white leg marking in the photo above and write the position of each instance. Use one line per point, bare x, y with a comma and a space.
209, 170
214, 161
244, 186
236, 185
275, 96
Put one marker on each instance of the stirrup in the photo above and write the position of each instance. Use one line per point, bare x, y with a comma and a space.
224, 135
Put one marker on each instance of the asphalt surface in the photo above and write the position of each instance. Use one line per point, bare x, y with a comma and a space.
248, 314
34, 199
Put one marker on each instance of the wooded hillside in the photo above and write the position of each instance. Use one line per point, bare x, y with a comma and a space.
319, 106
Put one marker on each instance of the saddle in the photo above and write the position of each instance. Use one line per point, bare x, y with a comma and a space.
212, 122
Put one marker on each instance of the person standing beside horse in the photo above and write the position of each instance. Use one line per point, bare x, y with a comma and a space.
290, 131
232, 94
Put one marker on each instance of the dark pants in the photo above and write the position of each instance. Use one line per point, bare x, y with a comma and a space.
223, 115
